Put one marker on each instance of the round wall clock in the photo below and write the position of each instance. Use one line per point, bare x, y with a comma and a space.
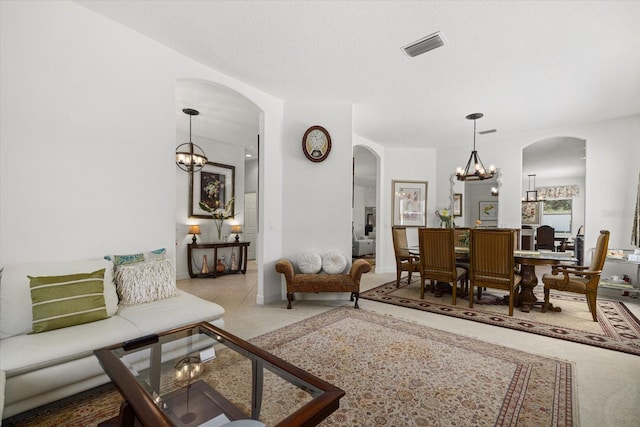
316, 143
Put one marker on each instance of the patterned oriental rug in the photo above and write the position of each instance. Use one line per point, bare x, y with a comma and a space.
395, 373
617, 328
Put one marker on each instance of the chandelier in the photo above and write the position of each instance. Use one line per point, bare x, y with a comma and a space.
190, 157
475, 170
531, 195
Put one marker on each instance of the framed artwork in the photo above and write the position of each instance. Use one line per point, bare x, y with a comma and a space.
409, 203
457, 204
214, 185
488, 211
530, 213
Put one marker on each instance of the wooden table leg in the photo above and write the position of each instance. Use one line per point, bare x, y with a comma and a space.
243, 259
127, 416
526, 298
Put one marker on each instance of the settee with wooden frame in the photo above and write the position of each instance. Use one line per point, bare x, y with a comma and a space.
318, 282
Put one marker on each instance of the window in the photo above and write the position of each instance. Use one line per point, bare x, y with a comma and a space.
557, 214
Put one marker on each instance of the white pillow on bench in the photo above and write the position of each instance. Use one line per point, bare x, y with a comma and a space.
309, 263
334, 263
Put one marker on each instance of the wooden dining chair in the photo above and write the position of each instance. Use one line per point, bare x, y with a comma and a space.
579, 279
438, 259
404, 260
492, 262
545, 238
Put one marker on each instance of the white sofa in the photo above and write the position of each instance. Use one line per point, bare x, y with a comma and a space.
46, 366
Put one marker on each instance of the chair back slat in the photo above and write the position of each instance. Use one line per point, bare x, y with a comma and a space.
600, 253
437, 253
545, 237
400, 241
491, 254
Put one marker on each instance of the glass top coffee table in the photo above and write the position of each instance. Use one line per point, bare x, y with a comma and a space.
200, 375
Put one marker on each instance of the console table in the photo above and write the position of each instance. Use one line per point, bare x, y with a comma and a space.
242, 261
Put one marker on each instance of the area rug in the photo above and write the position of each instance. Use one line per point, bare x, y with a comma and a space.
398, 373
617, 328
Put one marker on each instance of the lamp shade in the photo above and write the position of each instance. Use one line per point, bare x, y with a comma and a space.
194, 229
236, 229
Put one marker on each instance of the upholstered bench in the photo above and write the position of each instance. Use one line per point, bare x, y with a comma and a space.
322, 282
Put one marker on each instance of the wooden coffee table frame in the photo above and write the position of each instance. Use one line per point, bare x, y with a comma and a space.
141, 406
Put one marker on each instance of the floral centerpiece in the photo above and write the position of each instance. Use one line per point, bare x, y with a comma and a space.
219, 214
465, 238
446, 218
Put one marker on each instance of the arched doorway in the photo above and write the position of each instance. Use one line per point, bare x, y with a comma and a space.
365, 202
227, 129
554, 186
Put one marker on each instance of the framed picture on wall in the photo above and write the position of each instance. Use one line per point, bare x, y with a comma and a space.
409, 203
530, 213
488, 211
214, 185
457, 204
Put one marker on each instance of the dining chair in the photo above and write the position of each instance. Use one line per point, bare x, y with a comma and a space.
438, 259
462, 235
579, 279
492, 262
404, 260
545, 238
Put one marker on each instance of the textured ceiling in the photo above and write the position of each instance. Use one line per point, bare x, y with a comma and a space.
525, 65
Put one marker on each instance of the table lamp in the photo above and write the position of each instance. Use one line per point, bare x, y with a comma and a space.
236, 229
194, 229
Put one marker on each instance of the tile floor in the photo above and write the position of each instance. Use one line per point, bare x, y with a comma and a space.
607, 382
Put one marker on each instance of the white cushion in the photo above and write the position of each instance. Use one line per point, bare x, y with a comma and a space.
15, 296
309, 262
161, 315
334, 263
144, 282
31, 351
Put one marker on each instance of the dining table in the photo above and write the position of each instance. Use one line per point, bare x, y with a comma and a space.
527, 262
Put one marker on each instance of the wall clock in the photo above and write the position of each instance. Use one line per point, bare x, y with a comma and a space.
316, 143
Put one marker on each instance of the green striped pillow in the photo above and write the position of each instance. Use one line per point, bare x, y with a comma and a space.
61, 301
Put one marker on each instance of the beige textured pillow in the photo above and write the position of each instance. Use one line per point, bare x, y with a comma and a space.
145, 282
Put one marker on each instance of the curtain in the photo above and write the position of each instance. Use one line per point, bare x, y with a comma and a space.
557, 192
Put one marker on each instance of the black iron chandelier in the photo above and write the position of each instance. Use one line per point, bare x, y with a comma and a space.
190, 157
475, 170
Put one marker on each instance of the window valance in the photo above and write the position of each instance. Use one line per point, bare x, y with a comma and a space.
558, 192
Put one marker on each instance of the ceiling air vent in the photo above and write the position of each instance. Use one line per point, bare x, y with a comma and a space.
424, 45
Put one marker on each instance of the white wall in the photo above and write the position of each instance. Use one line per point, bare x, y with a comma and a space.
613, 164
317, 196
88, 138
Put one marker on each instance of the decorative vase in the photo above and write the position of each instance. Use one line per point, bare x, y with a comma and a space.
205, 267
220, 266
234, 263
218, 223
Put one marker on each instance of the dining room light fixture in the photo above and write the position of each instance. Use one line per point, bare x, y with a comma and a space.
475, 170
189, 156
531, 195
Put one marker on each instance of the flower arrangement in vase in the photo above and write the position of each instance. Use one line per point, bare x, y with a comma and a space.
465, 238
219, 214
446, 219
